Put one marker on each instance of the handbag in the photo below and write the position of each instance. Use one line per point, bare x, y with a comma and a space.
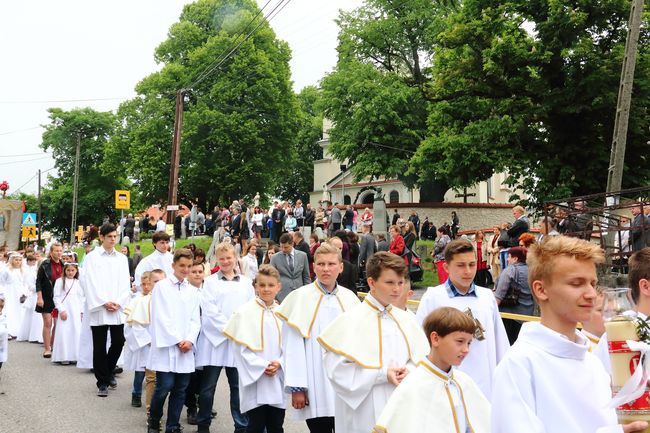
512, 295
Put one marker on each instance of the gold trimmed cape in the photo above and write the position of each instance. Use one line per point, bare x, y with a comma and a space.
139, 311
300, 307
246, 326
356, 335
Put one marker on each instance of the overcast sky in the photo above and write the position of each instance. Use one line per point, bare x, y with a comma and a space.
63, 50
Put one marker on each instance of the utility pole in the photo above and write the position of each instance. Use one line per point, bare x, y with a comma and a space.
40, 209
617, 157
75, 190
172, 198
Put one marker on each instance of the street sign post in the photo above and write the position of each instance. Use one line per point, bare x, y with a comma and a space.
122, 199
29, 219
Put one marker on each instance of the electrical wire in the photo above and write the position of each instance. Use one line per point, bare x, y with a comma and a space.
24, 154
63, 101
20, 130
25, 160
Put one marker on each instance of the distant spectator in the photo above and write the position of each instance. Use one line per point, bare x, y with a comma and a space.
639, 229
382, 243
415, 219
526, 240
519, 227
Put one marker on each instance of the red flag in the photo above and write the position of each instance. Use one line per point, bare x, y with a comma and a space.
24, 206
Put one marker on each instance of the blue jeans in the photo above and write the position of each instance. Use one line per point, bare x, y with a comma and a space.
206, 397
503, 257
138, 378
174, 385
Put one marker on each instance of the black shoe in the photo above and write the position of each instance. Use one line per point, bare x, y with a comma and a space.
213, 414
203, 429
113, 383
102, 391
176, 430
153, 426
136, 400
191, 417
118, 370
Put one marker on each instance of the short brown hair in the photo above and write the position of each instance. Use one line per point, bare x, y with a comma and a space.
145, 276
445, 320
183, 253
160, 236
384, 260
327, 248
286, 238
268, 271
457, 246
541, 256
639, 264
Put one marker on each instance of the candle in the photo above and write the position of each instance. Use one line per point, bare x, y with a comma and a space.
618, 331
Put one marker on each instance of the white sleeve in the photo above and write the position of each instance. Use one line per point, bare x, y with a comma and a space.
125, 292
602, 353
213, 321
500, 335
351, 382
250, 366
91, 284
195, 323
424, 308
513, 392
294, 358
139, 270
58, 295
137, 336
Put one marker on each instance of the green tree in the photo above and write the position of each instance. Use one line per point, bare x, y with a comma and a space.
376, 97
298, 181
239, 122
96, 197
530, 86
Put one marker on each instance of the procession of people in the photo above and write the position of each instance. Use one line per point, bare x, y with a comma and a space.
278, 323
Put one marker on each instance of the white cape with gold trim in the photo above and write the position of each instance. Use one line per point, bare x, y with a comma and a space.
421, 404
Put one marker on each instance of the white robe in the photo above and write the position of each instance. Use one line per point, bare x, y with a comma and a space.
85, 346
357, 362
105, 279
175, 317
219, 300
453, 403
155, 260
32, 326
549, 384
68, 331
302, 354
4, 338
136, 333
486, 354
14, 285
254, 351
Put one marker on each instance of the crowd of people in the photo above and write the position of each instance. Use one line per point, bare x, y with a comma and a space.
278, 322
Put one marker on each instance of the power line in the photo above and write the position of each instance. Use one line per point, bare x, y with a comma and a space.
25, 160
222, 61
30, 179
20, 130
57, 101
24, 154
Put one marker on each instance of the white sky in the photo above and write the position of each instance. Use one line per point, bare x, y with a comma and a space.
78, 49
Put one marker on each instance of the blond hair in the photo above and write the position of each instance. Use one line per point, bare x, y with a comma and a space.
268, 271
519, 209
224, 247
146, 276
327, 248
541, 256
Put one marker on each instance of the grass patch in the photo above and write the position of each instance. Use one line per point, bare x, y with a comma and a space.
430, 277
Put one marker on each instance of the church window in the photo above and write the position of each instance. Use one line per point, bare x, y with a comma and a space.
347, 199
393, 197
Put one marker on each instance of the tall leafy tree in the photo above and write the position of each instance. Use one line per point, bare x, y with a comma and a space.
241, 118
377, 94
530, 86
96, 197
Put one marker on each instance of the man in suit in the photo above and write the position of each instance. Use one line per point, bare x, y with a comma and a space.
367, 245
639, 230
277, 216
350, 275
292, 265
519, 227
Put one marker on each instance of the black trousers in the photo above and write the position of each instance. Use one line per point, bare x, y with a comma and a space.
323, 424
512, 329
104, 362
265, 417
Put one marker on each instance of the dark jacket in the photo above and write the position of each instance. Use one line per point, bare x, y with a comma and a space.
348, 278
640, 232
304, 247
520, 227
44, 281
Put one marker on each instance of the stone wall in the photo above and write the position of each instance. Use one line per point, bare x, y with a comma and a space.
472, 216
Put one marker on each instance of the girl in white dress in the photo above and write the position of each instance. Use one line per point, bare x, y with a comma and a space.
32, 327
13, 278
68, 300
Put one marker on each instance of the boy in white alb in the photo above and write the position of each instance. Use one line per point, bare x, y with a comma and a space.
174, 328
453, 402
256, 338
365, 366
161, 258
306, 312
459, 291
222, 294
138, 339
107, 287
549, 381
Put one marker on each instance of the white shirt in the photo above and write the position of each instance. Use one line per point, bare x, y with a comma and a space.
175, 317
549, 384
161, 226
105, 279
155, 260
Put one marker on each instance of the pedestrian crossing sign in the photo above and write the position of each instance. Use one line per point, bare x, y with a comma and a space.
29, 219
29, 232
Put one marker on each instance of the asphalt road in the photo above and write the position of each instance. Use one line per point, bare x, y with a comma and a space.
37, 396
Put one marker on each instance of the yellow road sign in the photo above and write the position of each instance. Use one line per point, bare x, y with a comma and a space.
122, 199
29, 232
